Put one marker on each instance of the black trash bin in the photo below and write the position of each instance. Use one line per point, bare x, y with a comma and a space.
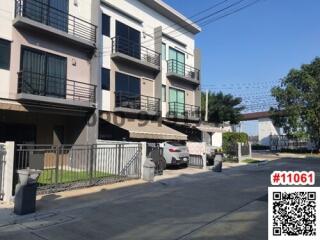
217, 167
26, 191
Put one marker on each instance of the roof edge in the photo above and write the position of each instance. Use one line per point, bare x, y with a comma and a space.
172, 14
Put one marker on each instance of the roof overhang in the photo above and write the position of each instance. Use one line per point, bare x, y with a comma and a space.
172, 14
144, 129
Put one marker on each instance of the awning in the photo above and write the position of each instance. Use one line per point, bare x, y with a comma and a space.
209, 129
144, 129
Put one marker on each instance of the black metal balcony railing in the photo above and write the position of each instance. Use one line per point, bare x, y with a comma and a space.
181, 110
61, 20
52, 86
137, 102
132, 49
183, 70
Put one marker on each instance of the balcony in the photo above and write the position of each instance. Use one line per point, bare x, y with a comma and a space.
183, 111
138, 104
180, 71
55, 90
47, 20
130, 52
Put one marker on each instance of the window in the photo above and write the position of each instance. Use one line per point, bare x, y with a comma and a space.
164, 51
105, 25
128, 40
163, 93
43, 73
127, 84
105, 79
5, 48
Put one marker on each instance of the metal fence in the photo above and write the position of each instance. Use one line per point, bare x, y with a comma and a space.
74, 166
280, 142
137, 102
2, 165
245, 149
135, 50
182, 110
53, 86
196, 161
56, 18
183, 70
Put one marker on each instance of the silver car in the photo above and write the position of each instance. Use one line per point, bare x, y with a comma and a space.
175, 153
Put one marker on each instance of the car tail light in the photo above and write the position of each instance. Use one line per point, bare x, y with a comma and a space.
174, 150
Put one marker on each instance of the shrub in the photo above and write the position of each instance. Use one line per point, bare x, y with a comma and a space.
230, 142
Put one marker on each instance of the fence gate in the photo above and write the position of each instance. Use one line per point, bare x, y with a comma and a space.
2, 165
196, 161
74, 166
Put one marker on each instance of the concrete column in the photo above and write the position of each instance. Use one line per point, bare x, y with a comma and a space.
8, 171
158, 77
239, 152
143, 155
250, 149
197, 64
204, 161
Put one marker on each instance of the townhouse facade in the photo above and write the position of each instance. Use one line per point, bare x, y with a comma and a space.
74, 71
150, 71
48, 78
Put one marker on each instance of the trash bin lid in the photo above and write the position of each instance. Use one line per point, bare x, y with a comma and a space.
149, 163
33, 172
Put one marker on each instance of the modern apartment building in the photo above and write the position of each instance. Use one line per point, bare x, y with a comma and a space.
48, 71
150, 70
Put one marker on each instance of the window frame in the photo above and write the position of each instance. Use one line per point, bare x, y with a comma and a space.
5, 65
105, 86
105, 25
164, 93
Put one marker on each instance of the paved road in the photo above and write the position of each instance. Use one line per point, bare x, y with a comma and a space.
227, 205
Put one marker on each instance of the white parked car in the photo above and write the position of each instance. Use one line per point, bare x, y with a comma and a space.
175, 153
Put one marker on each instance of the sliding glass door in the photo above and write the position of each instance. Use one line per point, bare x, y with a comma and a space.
177, 65
177, 101
43, 73
128, 40
50, 12
128, 91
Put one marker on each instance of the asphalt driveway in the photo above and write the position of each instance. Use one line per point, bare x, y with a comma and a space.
205, 205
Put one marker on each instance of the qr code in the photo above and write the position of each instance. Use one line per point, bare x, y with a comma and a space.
294, 213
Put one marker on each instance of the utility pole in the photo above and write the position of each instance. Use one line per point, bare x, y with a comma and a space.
206, 114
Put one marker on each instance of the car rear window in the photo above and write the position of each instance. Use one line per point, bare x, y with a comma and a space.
176, 144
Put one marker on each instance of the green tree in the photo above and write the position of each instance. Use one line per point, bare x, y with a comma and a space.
298, 98
221, 107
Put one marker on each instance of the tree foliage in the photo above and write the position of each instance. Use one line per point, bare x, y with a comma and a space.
298, 99
221, 108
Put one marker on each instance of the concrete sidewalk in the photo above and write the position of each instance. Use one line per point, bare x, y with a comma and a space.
202, 205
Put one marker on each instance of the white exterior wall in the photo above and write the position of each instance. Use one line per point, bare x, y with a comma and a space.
150, 20
6, 17
81, 9
217, 139
266, 128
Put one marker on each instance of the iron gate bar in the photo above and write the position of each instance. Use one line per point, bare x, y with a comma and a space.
73, 166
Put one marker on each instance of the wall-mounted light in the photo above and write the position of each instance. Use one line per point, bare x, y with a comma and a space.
74, 62
75, 2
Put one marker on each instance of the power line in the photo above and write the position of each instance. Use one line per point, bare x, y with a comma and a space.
212, 14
